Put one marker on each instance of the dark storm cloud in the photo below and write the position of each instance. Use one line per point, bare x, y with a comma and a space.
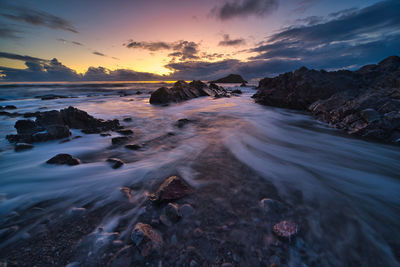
352, 38
227, 41
244, 8
36, 18
182, 50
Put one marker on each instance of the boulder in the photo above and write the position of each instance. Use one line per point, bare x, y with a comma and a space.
63, 159
182, 91
146, 239
119, 140
231, 78
172, 188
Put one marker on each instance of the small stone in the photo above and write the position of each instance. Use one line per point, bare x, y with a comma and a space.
193, 263
270, 205
127, 119
186, 210
165, 220
146, 239
286, 229
125, 132
117, 163
119, 140
63, 159
133, 147
22, 146
182, 122
172, 211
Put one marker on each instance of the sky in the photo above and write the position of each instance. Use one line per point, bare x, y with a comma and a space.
91, 40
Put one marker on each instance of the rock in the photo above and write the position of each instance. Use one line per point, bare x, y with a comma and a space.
237, 91
165, 220
172, 188
186, 210
182, 122
10, 107
146, 239
193, 263
122, 258
77, 211
63, 159
117, 163
138, 93
269, 205
125, 132
231, 78
105, 134
182, 91
133, 147
370, 115
73, 264
226, 264
286, 229
243, 84
172, 212
127, 119
50, 125
27, 127
22, 146
354, 101
50, 97
119, 140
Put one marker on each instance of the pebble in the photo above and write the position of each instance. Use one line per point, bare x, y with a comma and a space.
117, 163
186, 210
286, 229
172, 211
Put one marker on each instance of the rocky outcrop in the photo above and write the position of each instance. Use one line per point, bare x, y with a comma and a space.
54, 124
231, 78
182, 91
365, 102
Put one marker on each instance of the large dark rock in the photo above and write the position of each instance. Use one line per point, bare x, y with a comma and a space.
54, 124
365, 102
182, 91
231, 78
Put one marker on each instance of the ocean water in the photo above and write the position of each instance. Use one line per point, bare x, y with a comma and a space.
345, 191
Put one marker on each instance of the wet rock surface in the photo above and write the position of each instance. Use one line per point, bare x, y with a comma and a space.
365, 102
116, 163
23, 146
172, 188
146, 239
50, 125
182, 91
63, 159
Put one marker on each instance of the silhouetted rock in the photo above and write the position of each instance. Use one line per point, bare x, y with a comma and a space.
365, 102
182, 91
237, 91
50, 97
125, 132
231, 78
8, 107
63, 159
182, 122
133, 147
172, 188
50, 125
243, 84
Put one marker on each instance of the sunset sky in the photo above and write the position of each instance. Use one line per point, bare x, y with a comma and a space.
190, 39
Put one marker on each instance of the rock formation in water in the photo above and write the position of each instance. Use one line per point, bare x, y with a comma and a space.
182, 91
231, 78
365, 102
54, 124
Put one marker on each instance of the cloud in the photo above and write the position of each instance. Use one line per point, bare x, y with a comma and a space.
9, 32
352, 37
182, 50
38, 69
231, 42
244, 8
303, 5
98, 54
37, 18
71, 42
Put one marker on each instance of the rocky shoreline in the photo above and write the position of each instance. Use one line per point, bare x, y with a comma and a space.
364, 103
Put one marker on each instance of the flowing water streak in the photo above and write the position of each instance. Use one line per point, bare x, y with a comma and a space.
346, 189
